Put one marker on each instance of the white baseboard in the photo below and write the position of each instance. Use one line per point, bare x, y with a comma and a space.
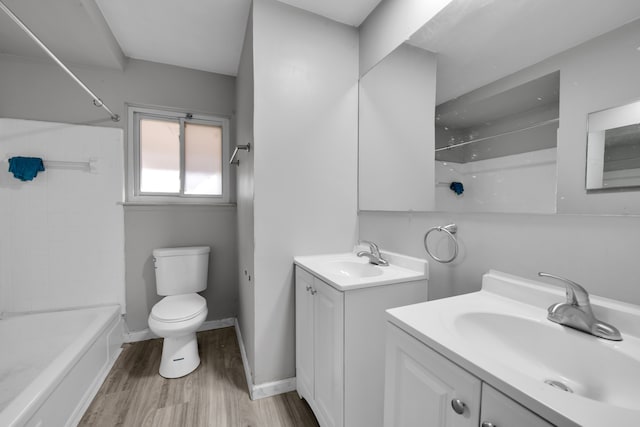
273, 388
146, 334
263, 390
256, 391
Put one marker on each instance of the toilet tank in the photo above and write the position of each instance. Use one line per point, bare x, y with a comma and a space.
181, 270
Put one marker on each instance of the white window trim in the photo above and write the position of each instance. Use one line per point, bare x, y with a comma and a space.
133, 160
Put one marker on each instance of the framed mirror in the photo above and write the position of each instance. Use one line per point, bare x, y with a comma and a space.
613, 148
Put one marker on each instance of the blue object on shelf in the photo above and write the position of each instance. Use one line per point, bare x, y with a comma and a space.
25, 168
457, 187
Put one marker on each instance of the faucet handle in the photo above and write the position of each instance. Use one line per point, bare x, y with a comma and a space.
576, 294
375, 250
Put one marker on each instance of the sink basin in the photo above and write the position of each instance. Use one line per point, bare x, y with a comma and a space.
355, 269
501, 335
347, 271
567, 359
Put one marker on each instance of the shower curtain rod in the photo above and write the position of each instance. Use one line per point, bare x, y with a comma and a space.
96, 101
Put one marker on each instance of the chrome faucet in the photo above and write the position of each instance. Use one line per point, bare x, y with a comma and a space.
374, 256
576, 312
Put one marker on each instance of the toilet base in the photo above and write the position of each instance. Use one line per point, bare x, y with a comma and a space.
179, 356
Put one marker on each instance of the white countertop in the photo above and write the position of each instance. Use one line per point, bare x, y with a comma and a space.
437, 324
401, 268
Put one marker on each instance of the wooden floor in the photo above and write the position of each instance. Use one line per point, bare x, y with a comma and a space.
215, 394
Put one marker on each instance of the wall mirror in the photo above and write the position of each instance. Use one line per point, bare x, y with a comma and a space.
494, 96
495, 148
613, 148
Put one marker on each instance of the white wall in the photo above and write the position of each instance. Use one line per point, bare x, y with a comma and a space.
599, 74
245, 184
390, 24
599, 252
62, 241
305, 128
395, 97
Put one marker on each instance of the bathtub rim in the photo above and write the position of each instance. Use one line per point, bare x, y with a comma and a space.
29, 400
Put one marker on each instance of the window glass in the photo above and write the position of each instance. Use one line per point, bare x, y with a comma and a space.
203, 159
177, 157
159, 156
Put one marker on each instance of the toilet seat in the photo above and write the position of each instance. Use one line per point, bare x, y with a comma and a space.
178, 308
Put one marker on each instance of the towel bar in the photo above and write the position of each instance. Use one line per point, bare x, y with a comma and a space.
90, 165
233, 160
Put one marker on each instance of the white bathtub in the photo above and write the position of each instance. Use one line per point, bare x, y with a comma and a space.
52, 364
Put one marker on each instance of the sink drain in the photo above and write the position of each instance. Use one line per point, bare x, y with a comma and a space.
559, 385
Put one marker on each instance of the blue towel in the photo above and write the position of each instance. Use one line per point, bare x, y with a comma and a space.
457, 187
25, 168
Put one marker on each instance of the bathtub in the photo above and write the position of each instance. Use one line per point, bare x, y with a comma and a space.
52, 364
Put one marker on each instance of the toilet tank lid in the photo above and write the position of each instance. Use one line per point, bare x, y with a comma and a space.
189, 250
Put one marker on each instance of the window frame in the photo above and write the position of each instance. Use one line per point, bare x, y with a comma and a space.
134, 195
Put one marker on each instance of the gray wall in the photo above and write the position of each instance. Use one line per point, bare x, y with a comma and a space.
38, 90
150, 227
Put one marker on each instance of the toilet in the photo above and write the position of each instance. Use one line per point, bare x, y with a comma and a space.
180, 273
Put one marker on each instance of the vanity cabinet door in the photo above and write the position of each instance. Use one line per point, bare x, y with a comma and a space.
304, 334
422, 387
328, 343
500, 411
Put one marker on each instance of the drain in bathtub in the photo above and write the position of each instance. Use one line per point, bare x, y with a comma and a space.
559, 385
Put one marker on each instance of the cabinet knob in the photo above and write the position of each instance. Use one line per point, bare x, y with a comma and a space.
458, 406
488, 424
313, 292
308, 288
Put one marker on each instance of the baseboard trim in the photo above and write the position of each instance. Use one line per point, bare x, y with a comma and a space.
245, 361
256, 391
146, 334
273, 388
263, 390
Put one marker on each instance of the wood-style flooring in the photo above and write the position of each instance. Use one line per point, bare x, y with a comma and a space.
214, 395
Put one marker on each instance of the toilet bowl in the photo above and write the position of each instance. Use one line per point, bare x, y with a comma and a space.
176, 319
180, 273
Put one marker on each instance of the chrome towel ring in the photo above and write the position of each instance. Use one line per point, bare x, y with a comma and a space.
451, 230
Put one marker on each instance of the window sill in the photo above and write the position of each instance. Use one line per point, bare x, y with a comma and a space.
180, 204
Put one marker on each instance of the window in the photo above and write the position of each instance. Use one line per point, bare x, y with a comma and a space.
176, 157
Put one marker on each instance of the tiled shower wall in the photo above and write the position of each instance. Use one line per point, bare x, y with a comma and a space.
62, 234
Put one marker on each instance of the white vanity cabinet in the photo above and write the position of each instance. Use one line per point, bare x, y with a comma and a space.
422, 387
425, 389
319, 348
340, 346
500, 411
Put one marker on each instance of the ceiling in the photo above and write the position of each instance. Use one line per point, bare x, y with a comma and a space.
350, 12
73, 29
480, 41
199, 34
204, 35
477, 41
